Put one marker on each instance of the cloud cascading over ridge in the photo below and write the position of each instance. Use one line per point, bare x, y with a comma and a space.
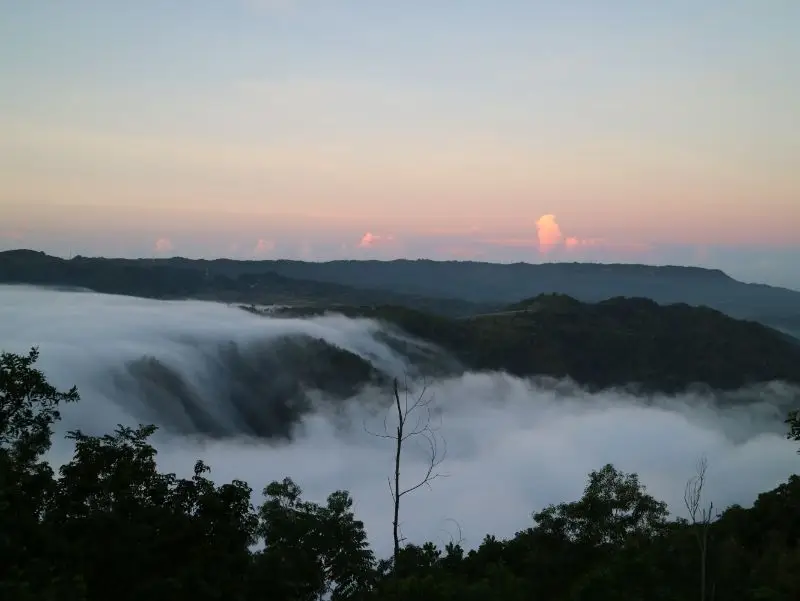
513, 445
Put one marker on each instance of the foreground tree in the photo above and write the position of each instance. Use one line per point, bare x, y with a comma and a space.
613, 510
136, 533
414, 421
602, 535
700, 519
311, 550
29, 406
794, 426
111, 525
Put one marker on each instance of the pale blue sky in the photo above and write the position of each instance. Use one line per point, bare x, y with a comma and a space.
444, 128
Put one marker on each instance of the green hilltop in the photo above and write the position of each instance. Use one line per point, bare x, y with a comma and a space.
617, 342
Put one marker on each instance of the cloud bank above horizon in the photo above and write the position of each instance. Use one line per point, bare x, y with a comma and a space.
543, 241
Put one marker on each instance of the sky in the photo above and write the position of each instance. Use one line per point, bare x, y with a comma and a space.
503, 130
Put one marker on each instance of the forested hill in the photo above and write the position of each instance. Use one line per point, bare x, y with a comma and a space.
184, 279
413, 283
507, 283
620, 341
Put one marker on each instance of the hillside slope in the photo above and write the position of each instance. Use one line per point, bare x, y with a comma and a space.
506, 283
490, 282
493, 283
444, 287
615, 342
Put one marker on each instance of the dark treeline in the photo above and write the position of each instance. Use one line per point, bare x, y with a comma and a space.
184, 279
110, 526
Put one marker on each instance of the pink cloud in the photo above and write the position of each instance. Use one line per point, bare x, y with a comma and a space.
549, 237
369, 240
163, 245
264, 247
573, 242
548, 232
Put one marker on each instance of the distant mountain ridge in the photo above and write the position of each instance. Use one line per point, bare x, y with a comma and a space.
620, 341
168, 279
407, 282
493, 282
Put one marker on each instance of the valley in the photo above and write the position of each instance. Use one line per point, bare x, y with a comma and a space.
262, 376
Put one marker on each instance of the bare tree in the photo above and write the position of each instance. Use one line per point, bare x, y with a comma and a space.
700, 517
414, 420
454, 545
453, 540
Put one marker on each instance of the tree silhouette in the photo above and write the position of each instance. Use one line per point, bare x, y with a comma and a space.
417, 409
110, 524
700, 518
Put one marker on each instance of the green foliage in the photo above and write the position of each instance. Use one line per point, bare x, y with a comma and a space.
617, 342
310, 549
28, 407
110, 525
614, 509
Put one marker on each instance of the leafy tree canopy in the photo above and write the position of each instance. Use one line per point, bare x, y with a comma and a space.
110, 525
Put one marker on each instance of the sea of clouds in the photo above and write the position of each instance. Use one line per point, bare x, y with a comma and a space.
513, 445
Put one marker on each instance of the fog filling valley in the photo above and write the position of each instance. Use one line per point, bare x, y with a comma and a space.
204, 372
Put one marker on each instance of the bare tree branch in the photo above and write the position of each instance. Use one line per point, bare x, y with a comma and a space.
417, 409
454, 541
700, 517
